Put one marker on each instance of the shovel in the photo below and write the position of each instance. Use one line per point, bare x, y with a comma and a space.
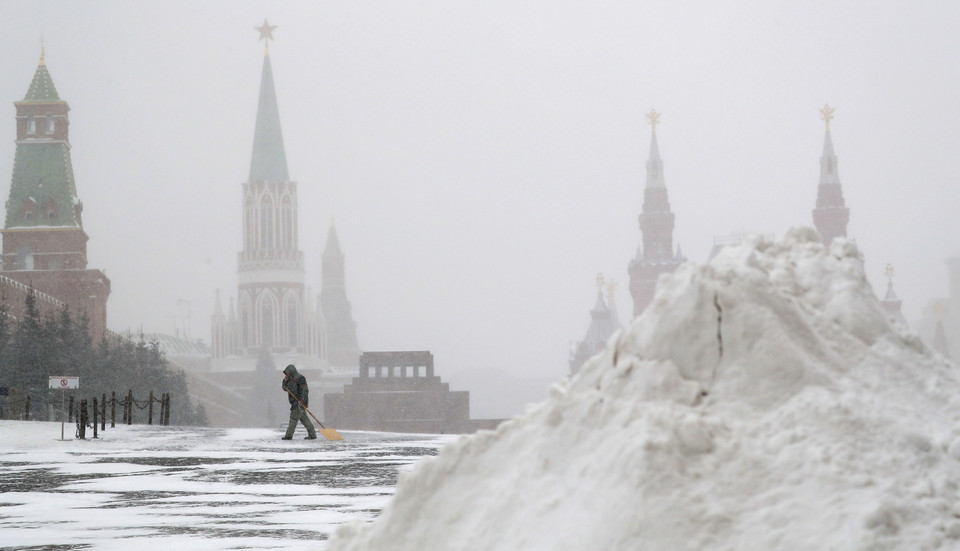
329, 434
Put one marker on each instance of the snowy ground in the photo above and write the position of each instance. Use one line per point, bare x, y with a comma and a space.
145, 488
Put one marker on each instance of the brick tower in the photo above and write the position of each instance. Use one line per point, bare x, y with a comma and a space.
656, 255
831, 215
44, 245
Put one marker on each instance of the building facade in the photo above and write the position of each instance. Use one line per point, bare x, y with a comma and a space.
44, 244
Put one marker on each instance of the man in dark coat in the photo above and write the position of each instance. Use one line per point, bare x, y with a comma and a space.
295, 385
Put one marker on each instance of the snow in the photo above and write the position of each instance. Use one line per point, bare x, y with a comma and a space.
150, 487
763, 401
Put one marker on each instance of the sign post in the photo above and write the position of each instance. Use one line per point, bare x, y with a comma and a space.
63, 382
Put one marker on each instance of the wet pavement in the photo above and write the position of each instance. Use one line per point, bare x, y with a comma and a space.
146, 488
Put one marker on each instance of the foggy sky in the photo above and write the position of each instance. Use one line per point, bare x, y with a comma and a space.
485, 160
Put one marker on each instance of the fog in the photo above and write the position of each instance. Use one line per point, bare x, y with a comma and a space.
483, 161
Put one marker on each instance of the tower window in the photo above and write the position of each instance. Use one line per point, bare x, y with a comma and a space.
50, 125
51, 209
31, 125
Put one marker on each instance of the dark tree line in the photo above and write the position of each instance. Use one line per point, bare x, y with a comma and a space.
36, 346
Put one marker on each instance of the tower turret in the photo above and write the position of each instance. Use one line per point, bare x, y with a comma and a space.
891, 302
656, 255
44, 244
341, 331
603, 324
831, 215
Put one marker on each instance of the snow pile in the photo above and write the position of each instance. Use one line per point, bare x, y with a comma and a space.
762, 402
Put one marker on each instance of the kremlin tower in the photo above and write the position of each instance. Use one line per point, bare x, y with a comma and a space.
890, 301
274, 316
831, 215
604, 322
44, 245
341, 331
656, 255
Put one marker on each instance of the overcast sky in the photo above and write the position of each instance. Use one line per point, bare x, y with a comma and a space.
485, 160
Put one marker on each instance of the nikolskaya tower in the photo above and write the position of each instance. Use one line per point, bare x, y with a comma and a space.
273, 313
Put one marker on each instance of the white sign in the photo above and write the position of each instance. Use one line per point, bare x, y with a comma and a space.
64, 382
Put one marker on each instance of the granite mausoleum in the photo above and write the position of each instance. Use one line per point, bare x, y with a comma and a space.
399, 392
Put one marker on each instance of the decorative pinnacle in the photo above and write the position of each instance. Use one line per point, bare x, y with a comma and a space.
43, 52
888, 271
611, 288
266, 34
939, 307
600, 282
654, 119
826, 114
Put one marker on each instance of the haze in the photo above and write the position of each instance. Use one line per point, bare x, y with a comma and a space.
484, 161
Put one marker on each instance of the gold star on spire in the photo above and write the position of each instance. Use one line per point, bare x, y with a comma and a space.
826, 114
889, 272
600, 282
654, 119
43, 52
266, 34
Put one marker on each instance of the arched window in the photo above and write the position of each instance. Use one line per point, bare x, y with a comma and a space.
266, 223
268, 319
51, 210
246, 320
286, 223
249, 223
28, 210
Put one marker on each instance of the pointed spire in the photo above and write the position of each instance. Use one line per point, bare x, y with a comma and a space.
654, 163
269, 160
828, 161
42, 88
612, 303
232, 315
333, 243
603, 324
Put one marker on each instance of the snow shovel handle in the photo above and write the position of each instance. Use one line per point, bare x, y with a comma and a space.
305, 407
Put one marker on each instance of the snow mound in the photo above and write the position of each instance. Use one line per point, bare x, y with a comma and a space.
764, 401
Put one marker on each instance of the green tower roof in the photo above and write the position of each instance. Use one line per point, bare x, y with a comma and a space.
269, 161
43, 177
42, 88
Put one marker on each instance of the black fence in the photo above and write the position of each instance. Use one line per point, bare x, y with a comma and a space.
81, 410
